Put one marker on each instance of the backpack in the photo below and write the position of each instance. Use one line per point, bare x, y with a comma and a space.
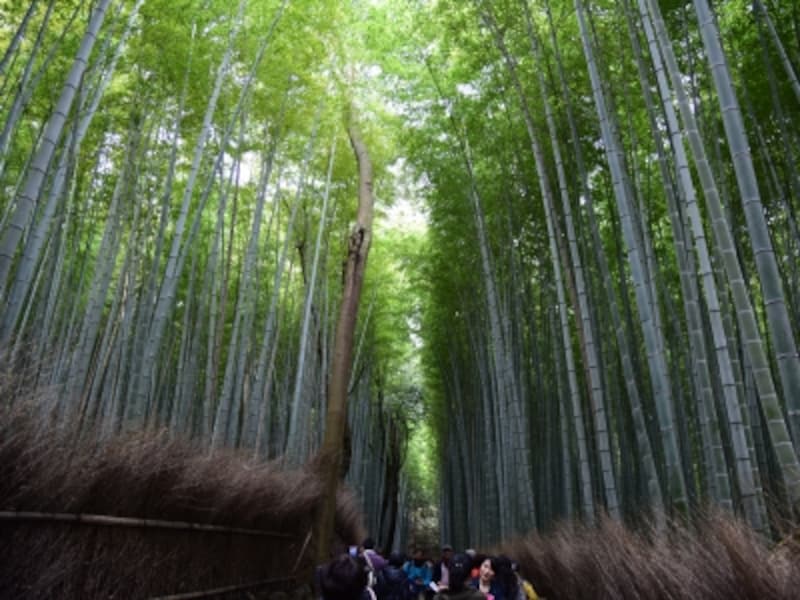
372, 578
393, 588
527, 588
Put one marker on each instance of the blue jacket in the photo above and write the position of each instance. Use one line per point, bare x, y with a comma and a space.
415, 572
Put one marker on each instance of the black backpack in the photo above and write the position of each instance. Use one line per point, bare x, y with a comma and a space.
393, 588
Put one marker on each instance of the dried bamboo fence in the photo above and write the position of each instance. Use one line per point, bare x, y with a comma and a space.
715, 557
144, 516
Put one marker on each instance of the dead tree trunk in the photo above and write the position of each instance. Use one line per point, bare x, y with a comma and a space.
330, 455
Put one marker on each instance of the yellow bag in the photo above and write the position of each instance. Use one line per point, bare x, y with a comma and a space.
530, 593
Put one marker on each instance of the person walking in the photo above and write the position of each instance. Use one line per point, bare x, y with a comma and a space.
419, 573
505, 584
374, 560
393, 582
485, 582
441, 569
458, 588
344, 578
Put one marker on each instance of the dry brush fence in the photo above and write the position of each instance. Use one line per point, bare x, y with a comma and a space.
716, 557
145, 515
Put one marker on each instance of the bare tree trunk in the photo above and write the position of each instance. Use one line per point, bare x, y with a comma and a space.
358, 248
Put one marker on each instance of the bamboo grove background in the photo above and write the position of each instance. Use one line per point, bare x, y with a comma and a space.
177, 192
605, 305
614, 256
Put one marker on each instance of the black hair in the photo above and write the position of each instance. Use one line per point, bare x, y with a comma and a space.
460, 569
369, 544
396, 559
344, 578
504, 575
477, 560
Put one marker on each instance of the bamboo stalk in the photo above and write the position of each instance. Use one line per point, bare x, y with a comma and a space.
109, 521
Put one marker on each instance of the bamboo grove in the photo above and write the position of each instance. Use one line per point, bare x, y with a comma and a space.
605, 305
612, 276
177, 194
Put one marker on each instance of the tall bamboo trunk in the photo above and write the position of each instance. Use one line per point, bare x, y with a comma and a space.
780, 327
752, 500
28, 197
296, 451
662, 389
19, 35
752, 342
761, 13
623, 347
143, 383
26, 84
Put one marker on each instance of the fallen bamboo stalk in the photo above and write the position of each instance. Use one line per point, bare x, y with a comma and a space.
109, 521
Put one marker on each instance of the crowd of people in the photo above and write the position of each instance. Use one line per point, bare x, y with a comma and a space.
365, 574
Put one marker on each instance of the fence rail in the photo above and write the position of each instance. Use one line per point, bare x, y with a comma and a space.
224, 590
109, 521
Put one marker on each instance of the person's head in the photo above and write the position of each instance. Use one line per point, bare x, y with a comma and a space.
344, 578
504, 574
487, 570
460, 569
369, 544
447, 552
396, 559
477, 559
501, 565
418, 556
